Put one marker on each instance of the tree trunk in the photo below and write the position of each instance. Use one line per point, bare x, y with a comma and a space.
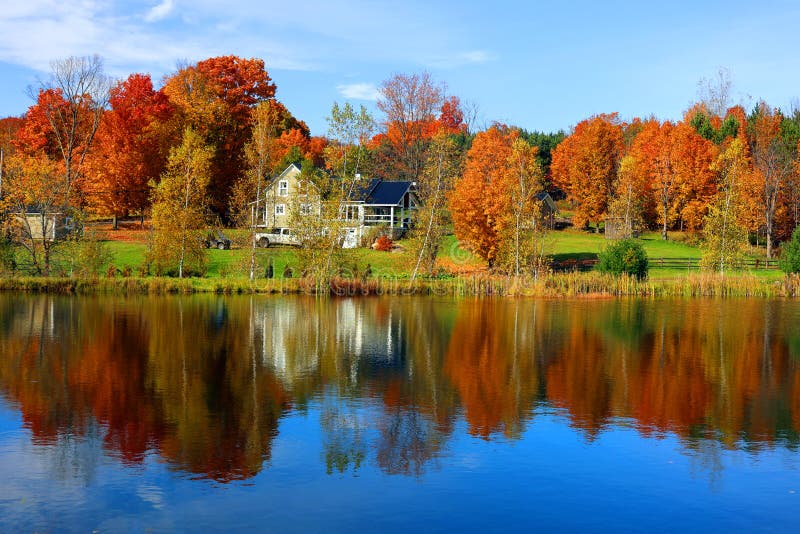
115, 222
769, 243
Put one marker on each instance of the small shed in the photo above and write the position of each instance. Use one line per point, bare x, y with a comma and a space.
46, 225
549, 208
618, 228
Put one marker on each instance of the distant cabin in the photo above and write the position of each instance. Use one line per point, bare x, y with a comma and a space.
549, 208
46, 225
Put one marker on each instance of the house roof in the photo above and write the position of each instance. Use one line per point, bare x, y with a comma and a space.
287, 170
544, 196
381, 192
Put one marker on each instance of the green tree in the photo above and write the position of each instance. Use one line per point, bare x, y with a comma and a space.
348, 132
179, 207
790, 256
624, 257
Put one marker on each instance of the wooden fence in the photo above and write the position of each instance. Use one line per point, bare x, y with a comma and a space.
664, 263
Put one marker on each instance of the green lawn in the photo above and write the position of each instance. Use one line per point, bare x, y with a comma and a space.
581, 245
564, 245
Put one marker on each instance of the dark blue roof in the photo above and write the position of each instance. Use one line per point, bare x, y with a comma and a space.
387, 192
378, 191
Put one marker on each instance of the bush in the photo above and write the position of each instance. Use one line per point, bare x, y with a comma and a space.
8, 263
383, 244
625, 256
790, 256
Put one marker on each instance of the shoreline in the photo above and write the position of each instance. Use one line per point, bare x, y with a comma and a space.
551, 285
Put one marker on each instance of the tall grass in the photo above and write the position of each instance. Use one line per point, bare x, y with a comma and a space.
574, 284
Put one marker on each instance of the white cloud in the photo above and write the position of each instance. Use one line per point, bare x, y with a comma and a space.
328, 38
461, 59
358, 91
476, 56
160, 11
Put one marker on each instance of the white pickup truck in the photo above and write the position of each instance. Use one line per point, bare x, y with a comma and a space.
276, 236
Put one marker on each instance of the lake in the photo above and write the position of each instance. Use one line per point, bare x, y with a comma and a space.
387, 414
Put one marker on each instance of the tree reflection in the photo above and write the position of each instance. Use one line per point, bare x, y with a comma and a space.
204, 381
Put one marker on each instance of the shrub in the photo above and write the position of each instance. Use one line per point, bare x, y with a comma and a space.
8, 263
790, 256
624, 257
383, 243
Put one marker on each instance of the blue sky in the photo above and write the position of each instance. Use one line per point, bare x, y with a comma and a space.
539, 65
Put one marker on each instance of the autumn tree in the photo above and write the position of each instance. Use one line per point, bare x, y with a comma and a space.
8, 130
410, 103
67, 114
260, 154
215, 98
435, 183
179, 206
130, 148
773, 161
585, 166
725, 235
315, 214
696, 180
33, 194
523, 237
451, 117
479, 199
631, 194
676, 163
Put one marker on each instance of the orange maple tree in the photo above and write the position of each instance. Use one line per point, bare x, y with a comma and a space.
479, 200
130, 148
585, 166
215, 97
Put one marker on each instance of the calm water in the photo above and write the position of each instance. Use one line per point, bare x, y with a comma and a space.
295, 414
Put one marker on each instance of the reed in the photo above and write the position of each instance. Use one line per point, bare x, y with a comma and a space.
552, 285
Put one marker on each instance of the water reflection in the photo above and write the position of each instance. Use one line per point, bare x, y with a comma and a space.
204, 382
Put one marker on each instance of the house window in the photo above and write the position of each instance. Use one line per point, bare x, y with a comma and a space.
280, 209
283, 188
305, 209
350, 213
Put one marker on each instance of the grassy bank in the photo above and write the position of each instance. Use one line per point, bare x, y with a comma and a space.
591, 285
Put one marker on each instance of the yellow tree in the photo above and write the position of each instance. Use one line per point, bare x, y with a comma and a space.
725, 235
630, 204
436, 180
260, 155
33, 196
524, 230
179, 206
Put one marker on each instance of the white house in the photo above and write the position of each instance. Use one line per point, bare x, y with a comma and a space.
372, 202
